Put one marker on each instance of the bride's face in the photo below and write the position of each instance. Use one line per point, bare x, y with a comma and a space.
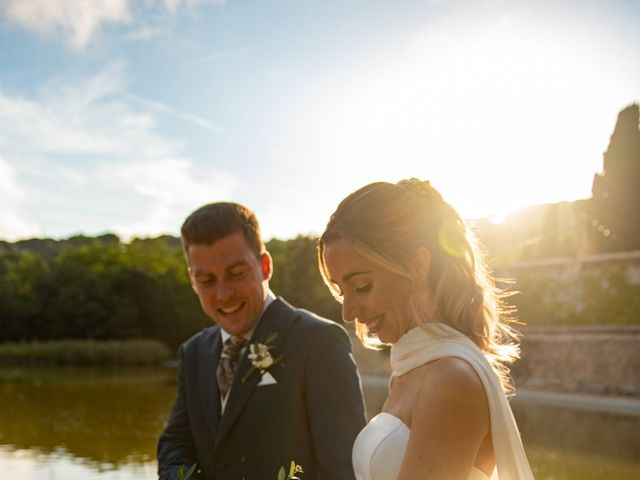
371, 294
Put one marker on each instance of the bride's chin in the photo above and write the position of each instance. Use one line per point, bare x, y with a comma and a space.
376, 326
373, 335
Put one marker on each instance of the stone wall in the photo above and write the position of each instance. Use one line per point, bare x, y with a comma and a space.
596, 360
589, 290
590, 359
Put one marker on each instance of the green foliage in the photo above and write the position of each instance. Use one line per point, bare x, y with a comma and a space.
102, 289
98, 289
296, 276
84, 352
589, 296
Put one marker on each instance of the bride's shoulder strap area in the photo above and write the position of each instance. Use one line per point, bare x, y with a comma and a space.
424, 344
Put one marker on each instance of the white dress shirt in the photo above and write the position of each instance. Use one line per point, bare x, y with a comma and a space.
247, 336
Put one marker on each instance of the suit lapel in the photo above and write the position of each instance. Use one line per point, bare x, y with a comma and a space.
209, 392
277, 318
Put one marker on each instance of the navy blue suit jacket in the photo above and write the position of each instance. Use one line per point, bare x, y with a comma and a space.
311, 415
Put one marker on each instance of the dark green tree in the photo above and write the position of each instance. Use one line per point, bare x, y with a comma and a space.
100, 288
297, 278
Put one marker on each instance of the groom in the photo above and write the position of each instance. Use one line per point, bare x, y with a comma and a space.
268, 383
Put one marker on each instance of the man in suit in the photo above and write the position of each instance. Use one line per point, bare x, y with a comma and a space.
241, 413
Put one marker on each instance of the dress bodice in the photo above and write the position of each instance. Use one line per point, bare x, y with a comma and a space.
379, 449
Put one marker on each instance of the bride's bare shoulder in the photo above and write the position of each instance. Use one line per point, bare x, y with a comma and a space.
454, 379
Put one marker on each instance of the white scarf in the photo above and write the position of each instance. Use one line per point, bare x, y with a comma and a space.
422, 345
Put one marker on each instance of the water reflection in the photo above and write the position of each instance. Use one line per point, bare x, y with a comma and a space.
569, 443
101, 418
60, 465
103, 425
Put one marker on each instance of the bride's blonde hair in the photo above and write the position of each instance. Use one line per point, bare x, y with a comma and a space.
388, 223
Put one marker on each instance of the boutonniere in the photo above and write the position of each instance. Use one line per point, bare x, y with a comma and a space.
261, 358
293, 469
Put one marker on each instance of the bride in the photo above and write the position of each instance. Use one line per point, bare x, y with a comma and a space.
409, 273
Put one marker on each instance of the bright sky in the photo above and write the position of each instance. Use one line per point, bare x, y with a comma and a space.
123, 116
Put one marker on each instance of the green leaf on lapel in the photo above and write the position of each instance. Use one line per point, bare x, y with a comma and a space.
281, 474
190, 471
182, 475
270, 338
248, 373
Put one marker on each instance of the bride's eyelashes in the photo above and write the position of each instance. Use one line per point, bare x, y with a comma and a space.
365, 288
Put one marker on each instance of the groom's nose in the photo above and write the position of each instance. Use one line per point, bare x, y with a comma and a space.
225, 290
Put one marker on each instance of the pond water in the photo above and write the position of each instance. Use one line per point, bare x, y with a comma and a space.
82, 424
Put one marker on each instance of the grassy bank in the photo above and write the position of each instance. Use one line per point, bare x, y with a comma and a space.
84, 352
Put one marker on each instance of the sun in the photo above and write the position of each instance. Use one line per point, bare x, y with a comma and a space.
495, 115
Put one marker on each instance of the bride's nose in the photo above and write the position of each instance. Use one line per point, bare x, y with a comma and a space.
351, 309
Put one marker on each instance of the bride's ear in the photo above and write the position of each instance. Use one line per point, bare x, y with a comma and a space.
422, 301
421, 264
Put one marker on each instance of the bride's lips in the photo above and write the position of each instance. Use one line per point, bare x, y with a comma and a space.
374, 325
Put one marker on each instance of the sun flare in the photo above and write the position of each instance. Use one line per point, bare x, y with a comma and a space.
495, 125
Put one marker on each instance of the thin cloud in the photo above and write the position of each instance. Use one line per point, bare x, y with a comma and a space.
10, 191
78, 22
222, 55
185, 116
13, 224
174, 5
81, 116
89, 161
144, 33
170, 181
173, 188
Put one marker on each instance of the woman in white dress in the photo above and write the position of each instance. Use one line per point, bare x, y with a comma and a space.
409, 273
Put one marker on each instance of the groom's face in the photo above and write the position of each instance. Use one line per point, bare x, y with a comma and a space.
231, 281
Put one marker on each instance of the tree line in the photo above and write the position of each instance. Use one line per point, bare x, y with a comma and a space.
103, 289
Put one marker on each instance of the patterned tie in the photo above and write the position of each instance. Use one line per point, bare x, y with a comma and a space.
229, 362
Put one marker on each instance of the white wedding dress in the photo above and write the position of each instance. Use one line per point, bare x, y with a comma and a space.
379, 448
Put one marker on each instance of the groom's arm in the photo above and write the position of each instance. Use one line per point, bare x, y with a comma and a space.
334, 401
175, 447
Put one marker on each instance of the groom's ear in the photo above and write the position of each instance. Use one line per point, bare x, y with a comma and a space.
266, 265
191, 279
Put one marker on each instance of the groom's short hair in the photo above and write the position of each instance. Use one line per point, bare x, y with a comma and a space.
215, 221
